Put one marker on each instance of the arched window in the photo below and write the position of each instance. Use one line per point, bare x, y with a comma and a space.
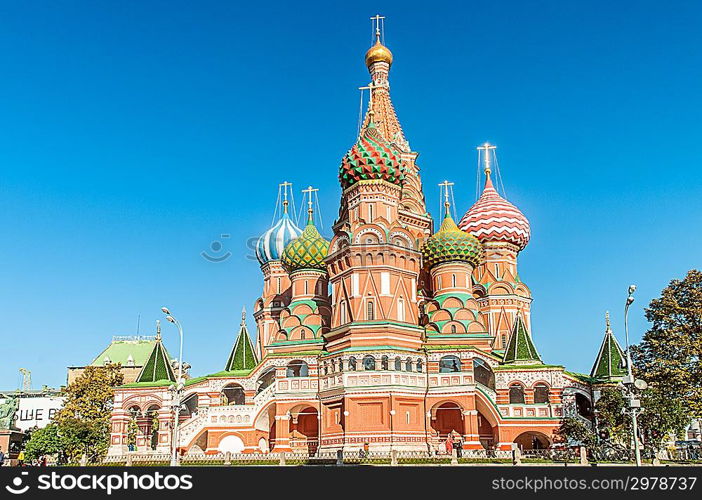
352, 364
398, 364
265, 380
369, 363
233, 394
297, 368
516, 394
341, 365
384, 363
306, 287
370, 213
370, 310
540, 393
408, 364
453, 280
303, 334
419, 366
482, 373
453, 328
449, 364
343, 312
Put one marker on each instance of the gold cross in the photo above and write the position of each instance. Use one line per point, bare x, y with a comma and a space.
377, 18
486, 148
444, 186
309, 192
285, 185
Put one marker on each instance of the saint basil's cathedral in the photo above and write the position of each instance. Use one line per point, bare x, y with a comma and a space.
391, 335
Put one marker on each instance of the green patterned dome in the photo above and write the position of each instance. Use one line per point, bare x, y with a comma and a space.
372, 157
449, 243
307, 251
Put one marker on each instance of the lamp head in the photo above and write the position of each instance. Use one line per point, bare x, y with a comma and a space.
632, 289
170, 318
629, 300
165, 310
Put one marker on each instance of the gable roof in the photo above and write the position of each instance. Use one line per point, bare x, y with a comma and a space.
610, 363
242, 355
520, 348
130, 351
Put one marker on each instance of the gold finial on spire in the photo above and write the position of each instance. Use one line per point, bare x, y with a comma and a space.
486, 148
378, 52
309, 191
285, 185
609, 328
243, 316
444, 187
158, 329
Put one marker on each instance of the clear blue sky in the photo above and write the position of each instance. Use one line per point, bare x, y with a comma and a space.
133, 134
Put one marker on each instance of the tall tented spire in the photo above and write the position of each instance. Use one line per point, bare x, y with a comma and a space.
243, 356
520, 348
381, 114
610, 364
158, 365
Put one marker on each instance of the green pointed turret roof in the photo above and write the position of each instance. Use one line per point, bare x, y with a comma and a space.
243, 355
520, 348
158, 365
610, 363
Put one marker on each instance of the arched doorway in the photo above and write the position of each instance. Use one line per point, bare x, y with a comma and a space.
231, 444
532, 440
447, 418
304, 429
232, 394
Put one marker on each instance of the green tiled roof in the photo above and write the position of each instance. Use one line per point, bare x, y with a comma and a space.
242, 356
610, 363
158, 366
520, 348
120, 351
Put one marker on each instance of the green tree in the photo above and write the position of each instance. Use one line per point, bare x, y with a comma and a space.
84, 420
668, 356
574, 432
44, 441
610, 416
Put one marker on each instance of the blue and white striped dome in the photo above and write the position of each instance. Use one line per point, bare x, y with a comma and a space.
271, 244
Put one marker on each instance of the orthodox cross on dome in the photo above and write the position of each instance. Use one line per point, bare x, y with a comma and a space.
446, 191
310, 203
609, 327
243, 315
284, 186
158, 329
376, 22
486, 150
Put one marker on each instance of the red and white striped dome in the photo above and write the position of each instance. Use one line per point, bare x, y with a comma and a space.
492, 218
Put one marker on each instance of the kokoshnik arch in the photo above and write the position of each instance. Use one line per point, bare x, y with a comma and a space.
390, 334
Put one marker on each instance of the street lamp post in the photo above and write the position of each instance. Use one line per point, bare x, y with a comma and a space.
629, 383
177, 389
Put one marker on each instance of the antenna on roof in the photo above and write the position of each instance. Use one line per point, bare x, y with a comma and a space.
138, 323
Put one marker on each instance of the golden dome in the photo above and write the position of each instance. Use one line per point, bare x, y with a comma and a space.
378, 53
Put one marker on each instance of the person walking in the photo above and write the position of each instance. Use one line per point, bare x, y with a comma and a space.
449, 445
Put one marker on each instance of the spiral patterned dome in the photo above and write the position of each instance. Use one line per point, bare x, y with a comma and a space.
271, 244
492, 218
449, 243
372, 157
307, 251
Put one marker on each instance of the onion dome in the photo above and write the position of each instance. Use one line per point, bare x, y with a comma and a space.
271, 244
492, 218
307, 251
378, 53
372, 157
449, 243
